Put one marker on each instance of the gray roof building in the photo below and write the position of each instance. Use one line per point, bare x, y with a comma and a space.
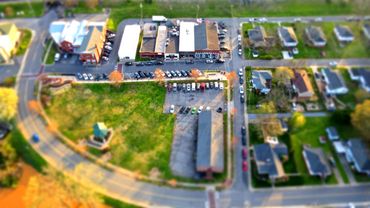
316, 36
206, 37
261, 80
150, 30
334, 82
257, 36
362, 75
366, 30
316, 161
358, 153
343, 33
287, 37
210, 143
267, 158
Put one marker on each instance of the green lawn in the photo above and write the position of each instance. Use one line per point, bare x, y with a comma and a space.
142, 132
357, 49
51, 55
29, 9
24, 41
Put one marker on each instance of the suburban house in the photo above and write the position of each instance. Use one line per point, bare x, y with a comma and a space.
287, 37
332, 133
362, 76
206, 41
129, 42
343, 33
210, 144
9, 36
358, 154
257, 37
268, 159
261, 81
84, 38
366, 30
148, 41
302, 86
316, 162
334, 82
315, 36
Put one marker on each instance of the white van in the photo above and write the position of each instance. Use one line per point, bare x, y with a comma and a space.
193, 86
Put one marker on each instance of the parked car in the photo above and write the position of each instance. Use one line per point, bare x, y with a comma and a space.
57, 57
244, 141
239, 52
159, 63
243, 130
183, 73
207, 85
97, 77
245, 166
173, 73
139, 64
221, 85
105, 76
188, 87
172, 109
91, 77
241, 90
193, 110
242, 98
244, 153
182, 109
79, 76
200, 109
136, 75
216, 85
129, 63
255, 54
178, 73
240, 72
168, 74
105, 58
151, 75
241, 80
108, 48
142, 75
85, 77
209, 61
198, 86
220, 61
193, 86
187, 110
219, 110
190, 61
211, 85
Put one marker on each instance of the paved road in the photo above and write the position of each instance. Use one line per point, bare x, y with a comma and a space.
118, 185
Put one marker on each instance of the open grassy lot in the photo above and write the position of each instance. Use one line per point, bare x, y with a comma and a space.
142, 133
24, 41
29, 9
357, 49
51, 54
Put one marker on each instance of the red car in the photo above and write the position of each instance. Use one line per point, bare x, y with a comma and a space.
244, 153
245, 166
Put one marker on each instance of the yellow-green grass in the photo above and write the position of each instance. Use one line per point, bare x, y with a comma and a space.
142, 132
29, 9
24, 41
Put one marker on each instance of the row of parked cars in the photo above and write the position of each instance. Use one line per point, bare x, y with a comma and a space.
192, 87
222, 31
108, 45
146, 63
194, 110
166, 74
91, 77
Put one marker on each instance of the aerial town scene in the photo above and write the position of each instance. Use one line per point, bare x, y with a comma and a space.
184, 103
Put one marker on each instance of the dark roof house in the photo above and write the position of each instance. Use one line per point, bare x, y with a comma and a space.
316, 161
287, 37
366, 30
261, 81
209, 153
315, 36
343, 33
362, 75
334, 82
358, 153
257, 36
302, 85
267, 158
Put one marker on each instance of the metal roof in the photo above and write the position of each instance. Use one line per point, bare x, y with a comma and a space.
344, 31
129, 42
315, 33
160, 44
260, 78
334, 80
150, 30
187, 37
287, 34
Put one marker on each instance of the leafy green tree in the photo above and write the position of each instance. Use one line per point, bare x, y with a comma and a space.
298, 120
8, 103
360, 119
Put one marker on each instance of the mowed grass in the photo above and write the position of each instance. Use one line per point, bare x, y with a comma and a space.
24, 39
142, 132
359, 48
29, 9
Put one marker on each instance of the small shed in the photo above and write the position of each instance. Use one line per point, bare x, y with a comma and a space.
332, 133
100, 130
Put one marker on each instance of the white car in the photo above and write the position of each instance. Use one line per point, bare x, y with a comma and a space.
239, 37
108, 43
200, 109
241, 90
85, 76
188, 87
57, 57
263, 19
216, 85
240, 72
318, 19
91, 77
172, 109
240, 52
297, 19
209, 61
333, 63
108, 47
254, 54
221, 86
295, 51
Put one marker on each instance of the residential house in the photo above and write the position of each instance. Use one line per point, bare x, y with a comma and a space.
210, 144
257, 37
315, 36
302, 85
358, 153
366, 30
332, 133
362, 76
261, 81
334, 82
316, 162
287, 36
268, 159
9, 36
84, 38
343, 33
206, 41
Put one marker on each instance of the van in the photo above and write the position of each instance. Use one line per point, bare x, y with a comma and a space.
193, 86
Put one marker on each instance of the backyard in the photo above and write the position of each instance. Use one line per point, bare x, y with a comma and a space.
357, 49
24, 41
142, 133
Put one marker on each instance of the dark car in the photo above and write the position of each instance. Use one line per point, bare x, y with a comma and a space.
151, 75
220, 61
105, 76
159, 63
243, 130
147, 75
148, 63
97, 77
211, 85
142, 75
187, 110
219, 110
182, 109
242, 98
183, 73
136, 75
241, 80
35, 138
128, 63
188, 73
244, 141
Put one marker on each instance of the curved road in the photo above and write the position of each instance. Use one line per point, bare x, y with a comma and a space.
146, 194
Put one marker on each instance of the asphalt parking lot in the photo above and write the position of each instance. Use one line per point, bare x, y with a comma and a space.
184, 142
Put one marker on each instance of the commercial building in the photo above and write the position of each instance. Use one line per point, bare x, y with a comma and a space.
206, 41
129, 43
148, 41
187, 40
210, 144
9, 36
85, 38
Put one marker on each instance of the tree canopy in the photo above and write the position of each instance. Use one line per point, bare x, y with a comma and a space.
360, 119
8, 103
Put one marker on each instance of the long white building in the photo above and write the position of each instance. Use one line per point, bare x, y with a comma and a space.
129, 43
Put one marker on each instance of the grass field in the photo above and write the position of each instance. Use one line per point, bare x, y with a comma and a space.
142, 133
357, 49
24, 41
51, 55
29, 9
